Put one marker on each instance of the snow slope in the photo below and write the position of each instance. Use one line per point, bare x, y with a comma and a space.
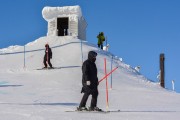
30, 94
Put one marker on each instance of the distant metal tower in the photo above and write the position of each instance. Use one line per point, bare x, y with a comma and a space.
162, 73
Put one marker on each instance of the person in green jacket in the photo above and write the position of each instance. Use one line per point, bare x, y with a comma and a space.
101, 39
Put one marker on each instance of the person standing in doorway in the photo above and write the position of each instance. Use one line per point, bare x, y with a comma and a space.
47, 56
90, 83
101, 39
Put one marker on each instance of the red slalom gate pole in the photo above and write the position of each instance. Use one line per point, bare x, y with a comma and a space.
108, 74
107, 101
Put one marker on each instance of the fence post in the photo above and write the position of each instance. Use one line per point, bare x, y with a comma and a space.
111, 70
106, 42
24, 56
82, 51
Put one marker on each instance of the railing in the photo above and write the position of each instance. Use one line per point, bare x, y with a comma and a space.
9, 53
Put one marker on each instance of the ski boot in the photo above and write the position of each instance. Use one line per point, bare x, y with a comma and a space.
94, 109
82, 109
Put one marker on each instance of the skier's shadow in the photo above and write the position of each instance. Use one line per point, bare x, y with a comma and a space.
56, 104
64, 67
45, 104
11, 85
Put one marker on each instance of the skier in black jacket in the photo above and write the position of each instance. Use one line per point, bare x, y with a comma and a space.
90, 83
47, 56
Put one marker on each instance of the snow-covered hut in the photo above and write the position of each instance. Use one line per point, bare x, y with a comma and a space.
65, 21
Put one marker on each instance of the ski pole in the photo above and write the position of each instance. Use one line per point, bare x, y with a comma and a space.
108, 74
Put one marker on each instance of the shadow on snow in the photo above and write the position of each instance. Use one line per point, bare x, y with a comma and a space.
50, 104
11, 85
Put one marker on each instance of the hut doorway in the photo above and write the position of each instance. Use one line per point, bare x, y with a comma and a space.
62, 26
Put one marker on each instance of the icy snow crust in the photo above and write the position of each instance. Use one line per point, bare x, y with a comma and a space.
30, 94
54, 12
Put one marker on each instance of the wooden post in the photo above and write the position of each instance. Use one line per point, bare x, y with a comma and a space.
162, 78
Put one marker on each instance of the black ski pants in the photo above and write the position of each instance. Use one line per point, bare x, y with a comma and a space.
48, 61
100, 46
94, 94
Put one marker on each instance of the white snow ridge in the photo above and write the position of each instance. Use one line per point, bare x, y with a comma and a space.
31, 94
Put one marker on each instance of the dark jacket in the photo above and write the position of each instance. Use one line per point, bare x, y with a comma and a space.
48, 52
89, 71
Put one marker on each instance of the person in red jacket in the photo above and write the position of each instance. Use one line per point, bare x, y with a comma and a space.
47, 56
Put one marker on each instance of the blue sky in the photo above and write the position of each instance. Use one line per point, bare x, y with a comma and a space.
137, 30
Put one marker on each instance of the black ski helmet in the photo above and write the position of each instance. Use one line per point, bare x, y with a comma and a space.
92, 55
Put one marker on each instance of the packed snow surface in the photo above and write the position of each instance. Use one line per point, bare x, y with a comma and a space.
30, 94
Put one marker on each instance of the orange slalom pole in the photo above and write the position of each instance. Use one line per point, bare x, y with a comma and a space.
107, 101
107, 74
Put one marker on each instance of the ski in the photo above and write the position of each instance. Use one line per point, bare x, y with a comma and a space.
86, 111
44, 68
48, 68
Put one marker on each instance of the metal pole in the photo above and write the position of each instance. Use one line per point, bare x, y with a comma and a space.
24, 56
106, 43
81, 51
111, 70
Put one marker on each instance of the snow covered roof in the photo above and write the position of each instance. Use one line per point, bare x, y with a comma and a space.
54, 12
